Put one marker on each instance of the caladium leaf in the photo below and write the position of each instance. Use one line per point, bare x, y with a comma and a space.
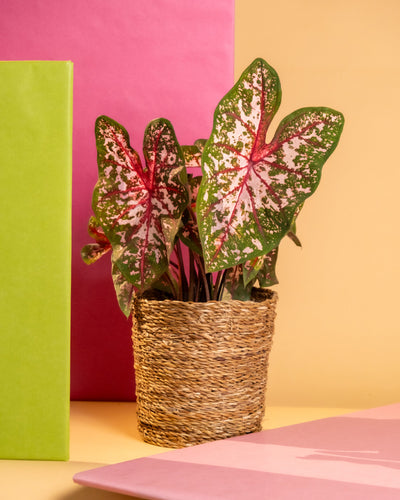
266, 275
124, 290
166, 286
261, 268
139, 207
292, 233
234, 285
192, 156
293, 236
93, 251
200, 143
251, 190
251, 268
189, 232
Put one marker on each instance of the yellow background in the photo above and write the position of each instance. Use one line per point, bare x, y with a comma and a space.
337, 333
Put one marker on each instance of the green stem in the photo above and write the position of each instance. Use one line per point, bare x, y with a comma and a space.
193, 278
203, 276
171, 283
184, 288
219, 284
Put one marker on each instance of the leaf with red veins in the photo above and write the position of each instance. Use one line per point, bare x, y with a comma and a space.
189, 231
139, 208
251, 190
96, 231
93, 251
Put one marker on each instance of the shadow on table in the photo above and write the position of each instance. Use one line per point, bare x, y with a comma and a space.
347, 439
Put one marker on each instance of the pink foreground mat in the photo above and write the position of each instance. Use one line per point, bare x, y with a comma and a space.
355, 456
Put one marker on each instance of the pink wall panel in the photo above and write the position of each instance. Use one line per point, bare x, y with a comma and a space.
134, 61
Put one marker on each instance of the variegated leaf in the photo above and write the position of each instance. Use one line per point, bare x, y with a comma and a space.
192, 156
93, 251
292, 233
251, 190
251, 268
189, 231
123, 289
200, 143
139, 208
235, 289
266, 275
261, 268
293, 236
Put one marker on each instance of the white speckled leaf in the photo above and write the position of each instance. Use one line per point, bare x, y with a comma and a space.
266, 275
189, 231
123, 289
261, 268
139, 208
192, 156
251, 190
93, 251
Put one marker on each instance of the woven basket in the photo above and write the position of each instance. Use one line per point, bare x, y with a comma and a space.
201, 367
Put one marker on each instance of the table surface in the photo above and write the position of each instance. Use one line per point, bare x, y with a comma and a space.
103, 433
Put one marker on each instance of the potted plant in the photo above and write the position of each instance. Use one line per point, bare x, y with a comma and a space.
193, 256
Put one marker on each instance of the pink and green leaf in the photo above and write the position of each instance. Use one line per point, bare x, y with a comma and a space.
191, 156
266, 275
124, 290
139, 208
189, 231
93, 251
261, 268
234, 285
251, 190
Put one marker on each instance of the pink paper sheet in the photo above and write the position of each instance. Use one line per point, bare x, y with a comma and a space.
351, 457
134, 61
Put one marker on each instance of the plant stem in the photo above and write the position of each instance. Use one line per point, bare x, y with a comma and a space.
193, 277
167, 278
210, 287
217, 285
202, 272
221, 285
182, 275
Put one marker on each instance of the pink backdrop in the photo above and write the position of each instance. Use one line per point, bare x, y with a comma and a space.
134, 61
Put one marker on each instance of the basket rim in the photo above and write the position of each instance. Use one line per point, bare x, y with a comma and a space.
273, 297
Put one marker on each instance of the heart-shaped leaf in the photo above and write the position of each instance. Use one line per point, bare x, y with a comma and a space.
93, 251
250, 190
139, 208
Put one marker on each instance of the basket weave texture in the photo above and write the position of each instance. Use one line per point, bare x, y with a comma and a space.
201, 367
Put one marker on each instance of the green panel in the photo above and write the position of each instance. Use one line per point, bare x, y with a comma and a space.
35, 245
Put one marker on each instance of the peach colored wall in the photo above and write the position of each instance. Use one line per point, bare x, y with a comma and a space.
338, 328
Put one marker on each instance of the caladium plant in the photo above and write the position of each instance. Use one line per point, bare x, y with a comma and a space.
231, 219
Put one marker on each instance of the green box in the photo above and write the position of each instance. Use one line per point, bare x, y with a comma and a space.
35, 256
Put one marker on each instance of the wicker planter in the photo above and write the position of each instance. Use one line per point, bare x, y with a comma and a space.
201, 368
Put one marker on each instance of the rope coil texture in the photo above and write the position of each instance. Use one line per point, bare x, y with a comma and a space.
201, 367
